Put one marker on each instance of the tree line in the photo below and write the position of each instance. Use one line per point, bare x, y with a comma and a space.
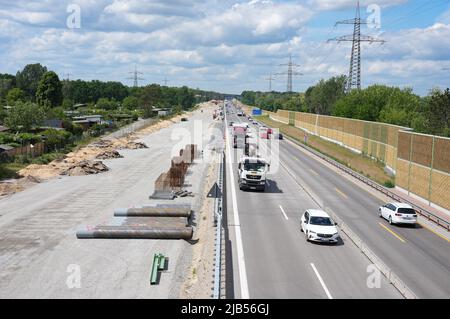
378, 103
36, 93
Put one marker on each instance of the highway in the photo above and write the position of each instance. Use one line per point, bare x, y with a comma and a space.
278, 261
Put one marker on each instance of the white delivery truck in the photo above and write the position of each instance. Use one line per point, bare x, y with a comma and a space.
252, 173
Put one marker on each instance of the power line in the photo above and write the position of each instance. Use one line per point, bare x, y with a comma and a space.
290, 73
270, 79
135, 77
354, 77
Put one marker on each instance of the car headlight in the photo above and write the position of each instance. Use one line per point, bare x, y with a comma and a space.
244, 181
312, 232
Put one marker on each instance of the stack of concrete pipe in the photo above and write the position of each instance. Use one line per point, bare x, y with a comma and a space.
149, 222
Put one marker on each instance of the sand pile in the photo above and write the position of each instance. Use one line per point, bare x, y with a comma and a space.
17, 185
86, 168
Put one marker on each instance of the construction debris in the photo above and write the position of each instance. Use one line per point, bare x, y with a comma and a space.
86, 168
133, 146
109, 154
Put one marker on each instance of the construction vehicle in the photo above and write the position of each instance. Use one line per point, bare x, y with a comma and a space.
252, 173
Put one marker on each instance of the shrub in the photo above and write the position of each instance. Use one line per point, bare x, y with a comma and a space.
389, 184
56, 138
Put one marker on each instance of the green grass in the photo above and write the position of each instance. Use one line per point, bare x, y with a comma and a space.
9, 170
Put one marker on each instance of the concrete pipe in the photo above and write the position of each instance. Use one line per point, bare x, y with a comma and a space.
156, 211
101, 232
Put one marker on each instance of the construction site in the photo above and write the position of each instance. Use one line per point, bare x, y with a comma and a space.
124, 217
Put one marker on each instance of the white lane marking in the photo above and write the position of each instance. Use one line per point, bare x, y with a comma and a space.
321, 282
239, 246
284, 213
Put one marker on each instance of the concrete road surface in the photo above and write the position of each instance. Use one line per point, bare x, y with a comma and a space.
40, 256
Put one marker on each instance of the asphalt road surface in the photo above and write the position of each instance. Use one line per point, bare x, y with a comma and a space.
420, 257
277, 260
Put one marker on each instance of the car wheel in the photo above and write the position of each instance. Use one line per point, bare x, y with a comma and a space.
390, 220
380, 214
301, 228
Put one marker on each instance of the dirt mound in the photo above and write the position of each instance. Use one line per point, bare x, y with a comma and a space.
133, 145
17, 185
86, 168
109, 154
101, 144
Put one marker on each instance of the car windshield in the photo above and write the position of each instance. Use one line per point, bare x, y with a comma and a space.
409, 211
254, 166
321, 221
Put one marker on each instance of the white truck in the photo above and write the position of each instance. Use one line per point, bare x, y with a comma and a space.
252, 173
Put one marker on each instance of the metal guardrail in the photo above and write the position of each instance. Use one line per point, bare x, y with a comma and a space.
420, 210
218, 223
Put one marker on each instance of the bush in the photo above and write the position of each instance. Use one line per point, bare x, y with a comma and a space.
389, 184
22, 159
56, 138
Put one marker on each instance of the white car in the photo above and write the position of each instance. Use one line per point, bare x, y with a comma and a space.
319, 227
398, 213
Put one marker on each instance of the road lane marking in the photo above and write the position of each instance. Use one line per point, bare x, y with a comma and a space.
314, 172
239, 245
341, 193
284, 213
392, 232
434, 232
321, 282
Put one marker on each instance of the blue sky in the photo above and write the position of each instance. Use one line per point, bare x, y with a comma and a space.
224, 45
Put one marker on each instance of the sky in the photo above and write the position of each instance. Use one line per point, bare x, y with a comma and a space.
227, 46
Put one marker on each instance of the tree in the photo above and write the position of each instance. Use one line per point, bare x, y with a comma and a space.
24, 115
7, 82
150, 96
185, 98
49, 91
438, 113
130, 103
106, 104
15, 95
28, 79
322, 98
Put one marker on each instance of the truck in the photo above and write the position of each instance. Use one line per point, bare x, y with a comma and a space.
252, 173
265, 133
239, 137
251, 146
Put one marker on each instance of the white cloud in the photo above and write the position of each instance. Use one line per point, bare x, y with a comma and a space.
216, 44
